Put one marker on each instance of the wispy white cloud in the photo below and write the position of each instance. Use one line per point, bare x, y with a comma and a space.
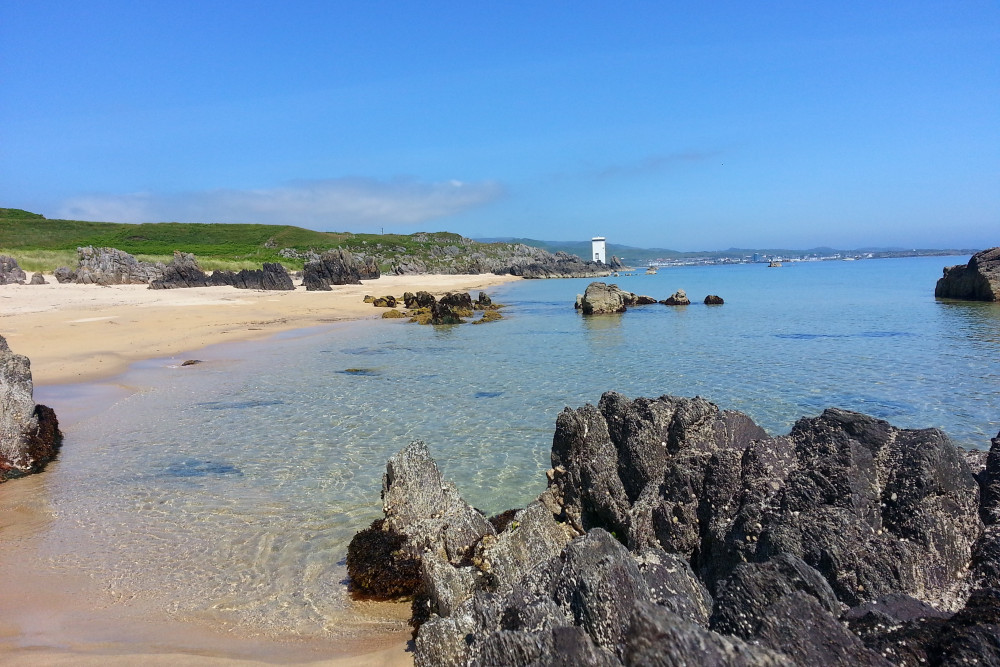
330, 204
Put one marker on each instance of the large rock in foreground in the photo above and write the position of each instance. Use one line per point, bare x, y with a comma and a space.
672, 532
979, 280
29, 433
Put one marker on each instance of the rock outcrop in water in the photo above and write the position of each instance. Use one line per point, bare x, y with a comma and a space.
979, 280
29, 433
678, 298
673, 532
601, 298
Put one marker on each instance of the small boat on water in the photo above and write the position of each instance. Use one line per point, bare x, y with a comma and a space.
774, 264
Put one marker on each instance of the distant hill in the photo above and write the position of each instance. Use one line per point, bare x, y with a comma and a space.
634, 256
40, 244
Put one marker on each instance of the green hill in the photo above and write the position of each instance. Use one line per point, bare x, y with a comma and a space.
40, 244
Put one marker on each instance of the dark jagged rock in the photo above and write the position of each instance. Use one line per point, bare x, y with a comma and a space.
874, 508
644, 300
989, 480
655, 505
10, 272
449, 309
800, 627
969, 637
678, 298
660, 638
368, 269
334, 267
37, 279
419, 300
409, 267
29, 433
744, 598
674, 585
483, 302
541, 264
379, 566
420, 505
384, 302
182, 271
444, 314
110, 266
985, 567
979, 280
271, 276
713, 300
64, 275
457, 301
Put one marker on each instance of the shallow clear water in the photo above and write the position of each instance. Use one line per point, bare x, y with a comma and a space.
229, 490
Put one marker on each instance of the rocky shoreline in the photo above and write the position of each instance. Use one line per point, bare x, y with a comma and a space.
110, 266
672, 532
29, 432
979, 280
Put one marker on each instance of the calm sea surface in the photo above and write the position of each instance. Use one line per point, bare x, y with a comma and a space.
228, 491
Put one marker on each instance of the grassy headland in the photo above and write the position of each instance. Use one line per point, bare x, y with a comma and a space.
40, 244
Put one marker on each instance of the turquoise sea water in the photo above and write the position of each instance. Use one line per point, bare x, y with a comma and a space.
227, 491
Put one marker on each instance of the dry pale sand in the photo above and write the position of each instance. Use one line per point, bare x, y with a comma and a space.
82, 333
79, 333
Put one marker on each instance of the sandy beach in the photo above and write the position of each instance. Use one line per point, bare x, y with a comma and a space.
85, 333
80, 333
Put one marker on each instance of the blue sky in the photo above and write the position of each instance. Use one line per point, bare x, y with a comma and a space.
684, 125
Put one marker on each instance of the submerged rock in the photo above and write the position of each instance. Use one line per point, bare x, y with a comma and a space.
713, 300
979, 280
29, 433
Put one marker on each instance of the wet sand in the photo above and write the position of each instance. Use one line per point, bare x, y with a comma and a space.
85, 333
79, 333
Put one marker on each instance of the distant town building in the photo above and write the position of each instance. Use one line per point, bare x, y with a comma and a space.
597, 245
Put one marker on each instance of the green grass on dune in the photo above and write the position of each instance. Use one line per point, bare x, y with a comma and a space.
40, 244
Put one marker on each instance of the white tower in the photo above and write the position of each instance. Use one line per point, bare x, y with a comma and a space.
597, 246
